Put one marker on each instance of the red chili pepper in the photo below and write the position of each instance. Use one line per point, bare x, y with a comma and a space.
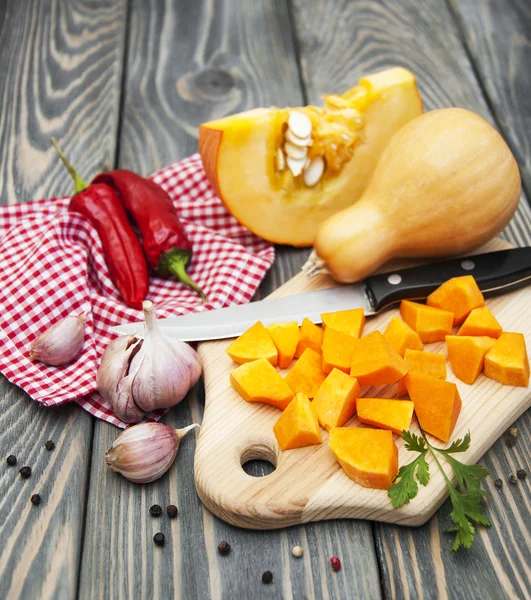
167, 248
123, 253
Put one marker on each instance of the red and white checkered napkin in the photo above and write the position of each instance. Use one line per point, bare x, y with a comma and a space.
52, 265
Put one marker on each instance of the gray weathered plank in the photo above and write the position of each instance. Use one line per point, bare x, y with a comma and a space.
210, 59
60, 65
340, 40
498, 37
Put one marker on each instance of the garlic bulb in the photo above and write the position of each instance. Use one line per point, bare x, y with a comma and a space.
145, 452
61, 343
139, 374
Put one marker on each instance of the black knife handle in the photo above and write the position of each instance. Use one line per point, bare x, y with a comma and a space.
495, 273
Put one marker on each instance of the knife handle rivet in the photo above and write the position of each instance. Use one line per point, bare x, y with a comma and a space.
468, 265
394, 279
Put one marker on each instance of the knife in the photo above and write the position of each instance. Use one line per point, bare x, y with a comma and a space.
495, 273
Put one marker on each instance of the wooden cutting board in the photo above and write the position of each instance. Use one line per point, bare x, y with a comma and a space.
308, 484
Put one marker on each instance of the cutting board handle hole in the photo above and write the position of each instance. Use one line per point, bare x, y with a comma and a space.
258, 460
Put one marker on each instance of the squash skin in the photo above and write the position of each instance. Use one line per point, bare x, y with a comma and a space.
446, 184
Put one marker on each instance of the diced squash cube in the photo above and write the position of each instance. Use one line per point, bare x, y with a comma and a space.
350, 322
311, 336
467, 355
459, 296
507, 360
337, 350
429, 363
259, 381
306, 374
437, 403
285, 336
368, 456
253, 344
335, 402
432, 324
375, 361
297, 426
480, 322
395, 415
400, 335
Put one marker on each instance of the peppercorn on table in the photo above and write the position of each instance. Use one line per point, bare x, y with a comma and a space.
126, 84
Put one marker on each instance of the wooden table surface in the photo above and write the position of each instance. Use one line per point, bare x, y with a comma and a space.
126, 83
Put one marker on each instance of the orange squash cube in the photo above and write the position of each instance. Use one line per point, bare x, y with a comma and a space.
335, 402
459, 296
297, 426
481, 322
395, 415
311, 336
437, 403
507, 362
467, 355
429, 363
432, 324
368, 456
306, 375
337, 350
400, 335
259, 381
285, 336
375, 361
350, 322
253, 344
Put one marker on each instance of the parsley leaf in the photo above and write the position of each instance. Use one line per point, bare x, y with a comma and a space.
414, 443
406, 486
467, 508
459, 445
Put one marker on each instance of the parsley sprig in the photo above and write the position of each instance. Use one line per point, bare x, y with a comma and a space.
466, 498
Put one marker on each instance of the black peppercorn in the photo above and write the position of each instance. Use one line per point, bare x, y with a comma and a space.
36, 499
159, 539
512, 479
172, 511
49, 445
267, 577
155, 510
521, 473
12, 460
25, 472
224, 548
498, 484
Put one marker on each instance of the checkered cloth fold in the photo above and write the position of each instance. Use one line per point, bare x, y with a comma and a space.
52, 265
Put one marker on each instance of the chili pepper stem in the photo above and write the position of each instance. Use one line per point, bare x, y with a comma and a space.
173, 262
79, 184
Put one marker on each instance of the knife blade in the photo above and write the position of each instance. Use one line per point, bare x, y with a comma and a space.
495, 273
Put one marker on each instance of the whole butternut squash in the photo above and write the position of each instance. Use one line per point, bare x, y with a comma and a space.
446, 184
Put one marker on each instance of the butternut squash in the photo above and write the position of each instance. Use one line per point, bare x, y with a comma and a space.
306, 374
285, 336
467, 355
400, 335
337, 350
446, 184
259, 381
394, 415
481, 322
253, 344
368, 456
297, 426
350, 321
311, 336
507, 362
437, 403
458, 295
428, 363
375, 361
335, 402
432, 324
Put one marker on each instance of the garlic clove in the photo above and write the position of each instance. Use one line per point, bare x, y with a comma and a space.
314, 171
143, 453
62, 343
296, 141
299, 124
295, 151
123, 402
